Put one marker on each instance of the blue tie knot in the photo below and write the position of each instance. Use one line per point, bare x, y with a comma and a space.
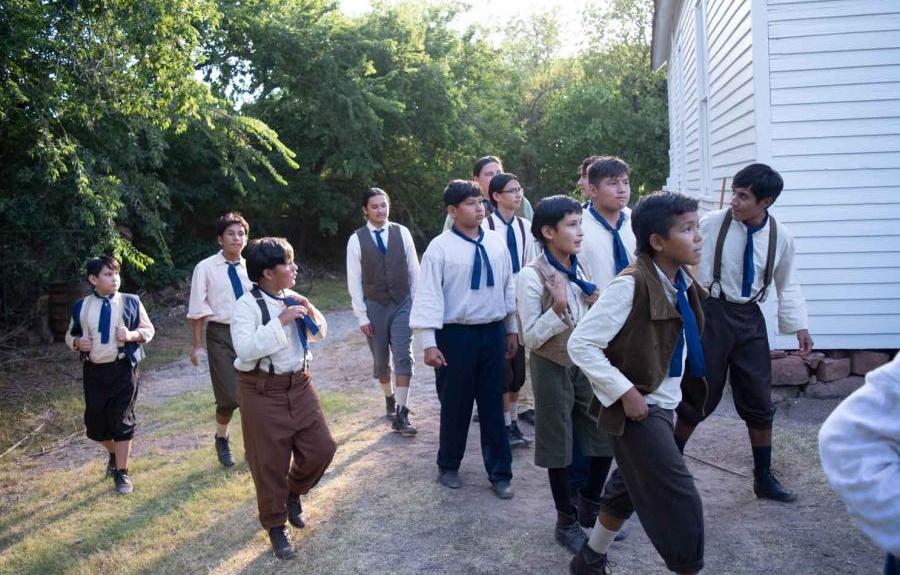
480, 252
381, 247
235, 280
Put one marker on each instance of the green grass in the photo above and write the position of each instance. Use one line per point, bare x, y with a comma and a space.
328, 292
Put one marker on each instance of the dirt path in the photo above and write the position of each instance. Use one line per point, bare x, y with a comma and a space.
379, 509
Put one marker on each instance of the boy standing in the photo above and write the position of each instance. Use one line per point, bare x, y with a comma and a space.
286, 438
552, 295
382, 266
484, 169
506, 196
465, 310
639, 346
109, 328
749, 251
218, 282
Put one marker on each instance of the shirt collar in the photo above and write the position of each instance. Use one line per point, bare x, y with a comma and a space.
220, 259
667, 284
373, 228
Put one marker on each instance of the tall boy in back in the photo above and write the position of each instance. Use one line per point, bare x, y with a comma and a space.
109, 328
745, 251
382, 267
639, 346
217, 283
286, 438
465, 312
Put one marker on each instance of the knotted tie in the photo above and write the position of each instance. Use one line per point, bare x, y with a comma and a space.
749, 269
379, 242
620, 254
511, 241
587, 287
695, 359
105, 317
236, 285
479, 253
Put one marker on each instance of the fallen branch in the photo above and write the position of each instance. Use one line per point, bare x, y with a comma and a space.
60, 443
24, 439
717, 466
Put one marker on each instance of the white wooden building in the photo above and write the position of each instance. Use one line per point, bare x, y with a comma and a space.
813, 89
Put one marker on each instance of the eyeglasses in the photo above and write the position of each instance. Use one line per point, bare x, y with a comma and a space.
514, 191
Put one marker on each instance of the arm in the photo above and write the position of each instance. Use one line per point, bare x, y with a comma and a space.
79, 344
537, 327
313, 312
196, 340
792, 317
145, 330
412, 259
427, 313
198, 307
354, 281
252, 340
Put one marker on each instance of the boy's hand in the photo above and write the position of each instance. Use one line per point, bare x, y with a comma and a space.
434, 357
804, 341
592, 299
367, 330
512, 345
560, 292
291, 313
195, 355
83, 344
635, 405
122, 334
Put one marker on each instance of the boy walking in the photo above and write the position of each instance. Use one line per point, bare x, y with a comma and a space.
552, 295
218, 282
464, 310
286, 438
746, 251
639, 346
382, 267
109, 329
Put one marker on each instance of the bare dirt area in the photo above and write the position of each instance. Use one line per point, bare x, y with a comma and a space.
380, 510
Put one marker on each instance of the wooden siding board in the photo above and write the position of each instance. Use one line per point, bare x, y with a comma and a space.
874, 91
831, 145
832, 9
831, 43
815, 26
834, 111
842, 77
837, 127
834, 60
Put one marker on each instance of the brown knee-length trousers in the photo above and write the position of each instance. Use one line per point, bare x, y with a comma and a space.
281, 419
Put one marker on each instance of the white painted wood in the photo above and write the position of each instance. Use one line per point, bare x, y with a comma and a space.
861, 76
832, 26
873, 91
838, 127
834, 60
864, 307
832, 9
825, 145
869, 40
885, 245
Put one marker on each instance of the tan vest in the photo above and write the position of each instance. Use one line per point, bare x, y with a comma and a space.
642, 350
554, 349
385, 277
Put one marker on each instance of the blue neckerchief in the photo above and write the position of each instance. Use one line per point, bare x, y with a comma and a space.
572, 274
620, 254
749, 268
379, 242
302, 324
690, 332
105, 317
511, 240
479, 253
236, 285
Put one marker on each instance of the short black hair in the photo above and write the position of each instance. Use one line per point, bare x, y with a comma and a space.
550, 211
480, 163
497, 184
655, 214
372, 192
606, 167
266, 253
95, 265
457, 191
586, 163
761, 179
229, 219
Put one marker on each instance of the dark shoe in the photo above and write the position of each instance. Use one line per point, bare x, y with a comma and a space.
223, 450
295, 511
390, 407
568, 533
514, 428
514, 440
450, 478
765, 486
587, 511
123, 482
280, 538
401, 423
111, 465
527, 416
589, 562
503, 489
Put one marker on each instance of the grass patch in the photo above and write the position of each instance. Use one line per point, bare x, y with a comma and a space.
326, 291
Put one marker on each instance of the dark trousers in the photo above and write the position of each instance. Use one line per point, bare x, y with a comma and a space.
653, 480
286, 439
736, 347
474, 371
891, 565
110, 393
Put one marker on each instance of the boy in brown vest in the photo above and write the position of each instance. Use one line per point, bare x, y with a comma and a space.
382, 268
640, 348
552, 295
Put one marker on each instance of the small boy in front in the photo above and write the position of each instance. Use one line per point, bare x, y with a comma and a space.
640, 348
109, 329
286, 438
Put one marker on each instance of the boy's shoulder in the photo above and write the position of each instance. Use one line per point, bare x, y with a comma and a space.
210, 260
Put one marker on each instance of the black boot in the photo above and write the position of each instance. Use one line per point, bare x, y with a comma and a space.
280, 538
390, 406
111, 464
568, 533
295, 511
589, 562
122, 481
765, 486
401, 422
515, 440
223, 450
587, 511
514, 428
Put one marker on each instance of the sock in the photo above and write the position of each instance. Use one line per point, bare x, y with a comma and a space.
601, 538
559, 487
507, 419
680, 443
386, 388
221, 429
762, 460
514, 407
401, 394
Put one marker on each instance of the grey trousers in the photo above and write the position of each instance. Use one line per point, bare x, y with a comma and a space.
220, 352
393, 337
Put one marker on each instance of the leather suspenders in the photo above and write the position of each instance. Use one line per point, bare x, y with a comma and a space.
521, 229
715, 288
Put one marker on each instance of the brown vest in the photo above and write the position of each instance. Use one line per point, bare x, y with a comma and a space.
554, 348
642, 350
385, 278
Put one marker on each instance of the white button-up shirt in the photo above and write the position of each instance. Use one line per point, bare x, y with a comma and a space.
109, 351
539, 326
525, 244
597, 255
212, 296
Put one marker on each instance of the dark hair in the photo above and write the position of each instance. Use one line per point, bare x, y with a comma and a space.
586, 163
762, 180
606, 167
229, 219
480, 163
655, 214
457, 191
371, 193
497, 184
95, 265
266, 253
550, 211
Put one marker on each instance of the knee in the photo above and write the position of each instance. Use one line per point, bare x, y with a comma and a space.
226, 411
